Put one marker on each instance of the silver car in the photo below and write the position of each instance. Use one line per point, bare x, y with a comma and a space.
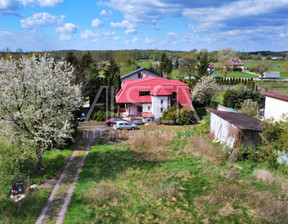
121, 125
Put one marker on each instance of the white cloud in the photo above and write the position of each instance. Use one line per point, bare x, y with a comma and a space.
43, 3
100, 34
4, 33
40, 19
106, 13
97, 23
8, 7
130, 28
149, 41
66, 31
171, 36
236, 9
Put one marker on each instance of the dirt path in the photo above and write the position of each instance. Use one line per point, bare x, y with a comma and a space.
55, 208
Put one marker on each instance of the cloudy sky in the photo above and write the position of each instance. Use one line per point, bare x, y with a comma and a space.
245, 25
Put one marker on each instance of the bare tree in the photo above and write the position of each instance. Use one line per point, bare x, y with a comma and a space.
262, 67
188, 65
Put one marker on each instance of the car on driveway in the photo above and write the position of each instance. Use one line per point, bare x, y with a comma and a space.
123, 125
113, 121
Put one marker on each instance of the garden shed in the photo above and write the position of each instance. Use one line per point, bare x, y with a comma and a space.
232, 129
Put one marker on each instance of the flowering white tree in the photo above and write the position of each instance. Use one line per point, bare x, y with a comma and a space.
38, 101
204, 90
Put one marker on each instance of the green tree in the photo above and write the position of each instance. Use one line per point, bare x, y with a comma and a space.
286, 67
166, 65
202, 67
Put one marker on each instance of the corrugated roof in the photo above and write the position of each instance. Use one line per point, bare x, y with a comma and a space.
136, 71
276, 96
239, 120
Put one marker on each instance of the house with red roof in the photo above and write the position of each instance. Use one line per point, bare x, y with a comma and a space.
236, 62
149, 97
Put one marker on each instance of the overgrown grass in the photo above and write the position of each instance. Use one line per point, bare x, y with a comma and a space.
236, 75
174, 179
28, 210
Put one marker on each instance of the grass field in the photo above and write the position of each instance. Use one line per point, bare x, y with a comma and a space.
163, 176
29, 209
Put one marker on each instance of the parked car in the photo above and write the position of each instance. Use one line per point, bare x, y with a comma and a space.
113, 121
121, 125
137, 121
82, 117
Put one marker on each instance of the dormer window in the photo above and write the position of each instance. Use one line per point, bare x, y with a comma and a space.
144, 93
140, 75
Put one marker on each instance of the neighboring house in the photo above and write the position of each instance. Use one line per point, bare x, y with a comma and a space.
275, 105
236, 63
232, 129
149, 97
139, 73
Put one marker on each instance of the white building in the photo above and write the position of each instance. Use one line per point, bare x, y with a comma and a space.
276, 106
234, 129
139, 73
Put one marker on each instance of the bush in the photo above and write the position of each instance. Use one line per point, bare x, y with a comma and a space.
249, 108
237, 69
185, 116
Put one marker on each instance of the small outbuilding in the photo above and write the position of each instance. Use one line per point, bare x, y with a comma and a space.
276, 105
232, 129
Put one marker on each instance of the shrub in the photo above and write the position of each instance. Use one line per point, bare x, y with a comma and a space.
249, 108
232, 98
237, 69
184, 116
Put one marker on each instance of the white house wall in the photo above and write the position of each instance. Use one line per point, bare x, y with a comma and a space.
145, 73
275, 108
145, 107
157, 105
132, 110
221, 130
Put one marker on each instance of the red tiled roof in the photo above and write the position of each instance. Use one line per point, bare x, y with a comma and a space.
129, 93
147, 114
236, 61
276, 96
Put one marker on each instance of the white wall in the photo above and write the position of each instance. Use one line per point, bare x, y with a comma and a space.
145, 107
220, 128
275, 108
145, 73
157, 105
133, 110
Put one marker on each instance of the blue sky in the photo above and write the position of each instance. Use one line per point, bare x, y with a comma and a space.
245, 25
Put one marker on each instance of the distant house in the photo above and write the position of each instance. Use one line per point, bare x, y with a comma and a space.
232, 129
149, 97
275, 105
139, 73
236, 63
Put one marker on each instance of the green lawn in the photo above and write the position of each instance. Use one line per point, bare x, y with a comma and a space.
185, 179
280, 87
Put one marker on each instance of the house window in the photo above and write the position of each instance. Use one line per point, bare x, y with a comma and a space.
162, 101
149, 108
140, 76
144, 93
174, 95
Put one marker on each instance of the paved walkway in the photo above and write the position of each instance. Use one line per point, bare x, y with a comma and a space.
55, 208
